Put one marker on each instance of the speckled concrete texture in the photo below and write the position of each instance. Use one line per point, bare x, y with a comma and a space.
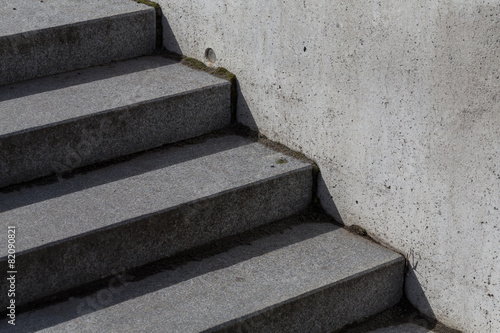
128, 214
398, 103
314, 277
406, 328
39, 38
54, 124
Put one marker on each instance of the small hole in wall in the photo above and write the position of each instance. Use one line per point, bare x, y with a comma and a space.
210, 55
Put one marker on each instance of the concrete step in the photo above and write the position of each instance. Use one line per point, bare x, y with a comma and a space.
313, 277
403, 328
39, 38
154, 205
58, 123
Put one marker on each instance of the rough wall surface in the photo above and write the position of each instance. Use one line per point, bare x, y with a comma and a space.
399, 104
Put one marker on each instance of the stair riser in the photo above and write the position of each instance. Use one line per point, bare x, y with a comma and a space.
80, 260
330, 308
55, 50
62, 147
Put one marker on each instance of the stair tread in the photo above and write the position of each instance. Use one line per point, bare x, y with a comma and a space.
403, 328
63, 97
156, 181
66, 121
40, 38
20, 16
238, 284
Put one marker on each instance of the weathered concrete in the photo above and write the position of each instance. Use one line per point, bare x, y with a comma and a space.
398, 103
406, 328
39, 38
54, 124
128, 214
312, 278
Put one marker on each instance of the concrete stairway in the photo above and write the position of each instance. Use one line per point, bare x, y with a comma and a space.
314, 277
97, 180
66, 121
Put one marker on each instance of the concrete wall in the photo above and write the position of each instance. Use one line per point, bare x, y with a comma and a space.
399, 104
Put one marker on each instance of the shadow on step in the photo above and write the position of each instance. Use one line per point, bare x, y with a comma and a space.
81, 76
403, 317
424, 317
117, 169
178, 269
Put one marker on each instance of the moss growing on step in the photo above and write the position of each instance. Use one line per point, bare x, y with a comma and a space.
225, 74
194, 63
220, 72
239, 128
149, 3
357, 230
217, 71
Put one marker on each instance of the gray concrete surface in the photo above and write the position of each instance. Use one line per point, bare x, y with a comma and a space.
398, 104
39, 38
54, 124
125, 215
314, 277
406, 328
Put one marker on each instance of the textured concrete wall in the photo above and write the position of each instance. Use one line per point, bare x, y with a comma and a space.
399, 103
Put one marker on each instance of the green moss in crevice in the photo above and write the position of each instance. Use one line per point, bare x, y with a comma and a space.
220, 72
194, 63
149, 3
240, 129
225, 74
357, 230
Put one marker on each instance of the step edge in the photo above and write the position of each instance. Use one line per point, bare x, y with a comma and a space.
392, 264
77, 23
119, 224
112, 110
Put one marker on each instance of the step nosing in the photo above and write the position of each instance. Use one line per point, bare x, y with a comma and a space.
115, 109
72, 24
72, 18
138, 218
163, 182
312, 292
310, 266
42, 38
